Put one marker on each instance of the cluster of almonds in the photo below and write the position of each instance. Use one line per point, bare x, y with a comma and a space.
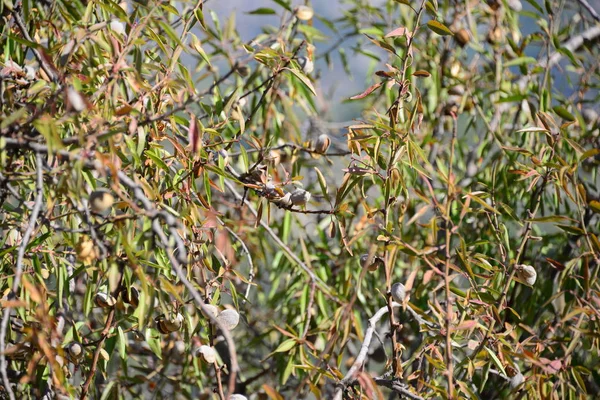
106, 300
86, 250
527, 274
261, 181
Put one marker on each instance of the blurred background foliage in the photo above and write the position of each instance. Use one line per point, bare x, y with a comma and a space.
185, 216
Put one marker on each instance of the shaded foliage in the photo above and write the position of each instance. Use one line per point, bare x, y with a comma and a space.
179, 222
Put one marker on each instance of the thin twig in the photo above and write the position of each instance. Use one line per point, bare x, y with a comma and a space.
248, 255
311, 299
398, 387
104, 335
447, 269
19, 269
590, 9
48, 69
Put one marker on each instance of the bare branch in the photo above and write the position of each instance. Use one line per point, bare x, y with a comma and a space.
590, 9
362, 354
398, 387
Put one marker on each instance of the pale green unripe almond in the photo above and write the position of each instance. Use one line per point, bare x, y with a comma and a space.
322, 144
229, 319
527, 274
101, 200
237, 397
516, 380
304, 13
398, 292
299, 197
210, 310
104, 300
208, 353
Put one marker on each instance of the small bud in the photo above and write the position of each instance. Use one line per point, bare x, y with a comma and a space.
229, 318
398, 292
527, 274
208, 353
304, 13
211, 310
104, 300
322, 144
462, 37
101, 200
306, 64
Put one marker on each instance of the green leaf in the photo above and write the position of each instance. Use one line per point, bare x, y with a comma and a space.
303, 79
439, 28
262, 11
563, 113
496, 360
122, 344
521, 61
286, 346
284, 4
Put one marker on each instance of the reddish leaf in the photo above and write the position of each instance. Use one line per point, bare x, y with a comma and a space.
194, 134
367, 92
397, 32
